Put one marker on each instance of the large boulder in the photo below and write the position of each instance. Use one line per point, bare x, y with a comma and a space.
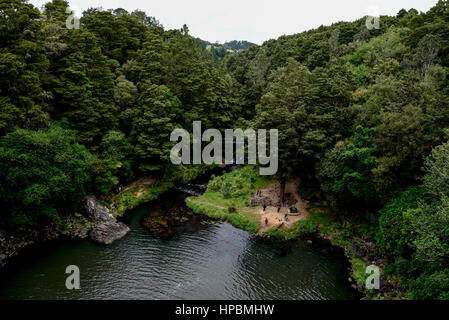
106, 229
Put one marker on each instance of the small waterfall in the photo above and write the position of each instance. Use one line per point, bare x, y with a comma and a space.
193, 189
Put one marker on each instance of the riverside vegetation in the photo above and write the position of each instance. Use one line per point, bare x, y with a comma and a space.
227, 196
363, 119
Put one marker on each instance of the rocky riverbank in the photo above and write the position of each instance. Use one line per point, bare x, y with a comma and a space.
370, 254
94, 222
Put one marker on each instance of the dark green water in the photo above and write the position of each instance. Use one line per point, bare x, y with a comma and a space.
210, 261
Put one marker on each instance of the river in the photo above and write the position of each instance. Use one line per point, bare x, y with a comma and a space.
207, 260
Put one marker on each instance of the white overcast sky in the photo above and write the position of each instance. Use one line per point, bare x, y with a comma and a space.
252, 20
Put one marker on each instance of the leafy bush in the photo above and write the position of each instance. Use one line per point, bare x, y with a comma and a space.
42, 173
395, 235
232, 209
304, 228
431, 287
181, 174
359, 268
239, 184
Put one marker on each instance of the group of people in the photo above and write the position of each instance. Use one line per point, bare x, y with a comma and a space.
279, 206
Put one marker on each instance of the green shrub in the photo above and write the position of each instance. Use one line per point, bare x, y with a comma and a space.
395, 235
359, 271
184, 173
431, 287
42, 173
226, 190
128, 199
232, 209
305, 228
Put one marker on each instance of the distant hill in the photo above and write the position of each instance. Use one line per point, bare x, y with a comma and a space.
234, 45
238, 45
217, 51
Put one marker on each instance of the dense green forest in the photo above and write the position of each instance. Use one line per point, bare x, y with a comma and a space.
83, 110
363, 117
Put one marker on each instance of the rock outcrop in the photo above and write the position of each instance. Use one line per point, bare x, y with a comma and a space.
106, 229
98, 224
260, 201
365, 250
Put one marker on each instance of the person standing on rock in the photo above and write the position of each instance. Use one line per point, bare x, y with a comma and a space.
266, 221
279, 207
264, 207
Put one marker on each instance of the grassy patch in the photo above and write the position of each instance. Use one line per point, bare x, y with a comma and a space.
132, 198
238, 185
320, 222
76, 221
359, 268
300, 229
227, 198
239, 219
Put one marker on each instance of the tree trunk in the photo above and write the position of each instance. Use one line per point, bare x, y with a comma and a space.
282, 195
